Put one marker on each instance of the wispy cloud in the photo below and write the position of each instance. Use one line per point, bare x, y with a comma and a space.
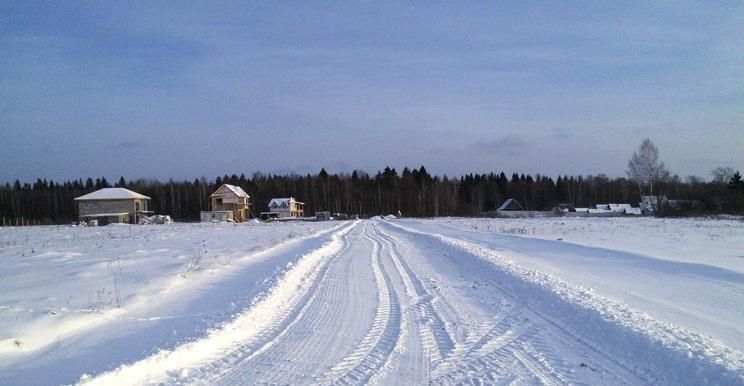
511, 144
129, 145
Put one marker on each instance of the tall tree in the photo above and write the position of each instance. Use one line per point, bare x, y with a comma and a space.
645, 168
722, 174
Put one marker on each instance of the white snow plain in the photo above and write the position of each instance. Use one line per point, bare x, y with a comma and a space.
402, 301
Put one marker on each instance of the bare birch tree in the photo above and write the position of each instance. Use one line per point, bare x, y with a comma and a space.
645, 167
722, 174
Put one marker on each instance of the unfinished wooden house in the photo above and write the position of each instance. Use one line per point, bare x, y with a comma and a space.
229, 203
112, 205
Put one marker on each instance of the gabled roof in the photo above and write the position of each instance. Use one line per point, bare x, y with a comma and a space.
280, 201
112, 194
510, 204
235, 189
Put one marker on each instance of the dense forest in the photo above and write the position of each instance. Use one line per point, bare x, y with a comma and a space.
413, 192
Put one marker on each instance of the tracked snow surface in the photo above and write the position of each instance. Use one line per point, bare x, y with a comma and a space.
390, 302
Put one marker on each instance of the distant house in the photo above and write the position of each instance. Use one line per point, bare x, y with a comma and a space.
567, 207
510, 204
217, 216
622, 208
634, 211
602, 207
282, 208
614, 209
229, 203
650, 204
113, 205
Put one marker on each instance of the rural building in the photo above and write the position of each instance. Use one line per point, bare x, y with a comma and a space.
650, 204
567, 207
282, 208
323, 216
608, 209
619, 207
510, 204
217, 216
229, 203
113, 205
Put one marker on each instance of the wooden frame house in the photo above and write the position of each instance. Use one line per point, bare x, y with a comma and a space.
229, 202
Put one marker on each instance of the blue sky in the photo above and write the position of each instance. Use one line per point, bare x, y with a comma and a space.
149, 89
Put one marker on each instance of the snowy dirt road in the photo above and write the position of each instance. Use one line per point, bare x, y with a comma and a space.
381, 303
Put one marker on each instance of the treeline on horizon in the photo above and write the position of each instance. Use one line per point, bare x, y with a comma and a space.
413, 192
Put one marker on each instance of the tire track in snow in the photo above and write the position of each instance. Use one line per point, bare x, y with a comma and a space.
378, 344
505, 331
282, 363
254, 324
230, 369
620, 370
516, 338
431, 326
486, 359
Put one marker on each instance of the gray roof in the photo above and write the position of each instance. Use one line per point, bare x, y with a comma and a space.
286, 201
112, 194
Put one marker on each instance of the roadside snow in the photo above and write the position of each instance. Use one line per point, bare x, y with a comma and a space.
654, 341
659, 266
61, 282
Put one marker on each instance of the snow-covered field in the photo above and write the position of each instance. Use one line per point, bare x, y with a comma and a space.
446, 301
706, 241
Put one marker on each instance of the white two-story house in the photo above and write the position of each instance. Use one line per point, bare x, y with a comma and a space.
285, 208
